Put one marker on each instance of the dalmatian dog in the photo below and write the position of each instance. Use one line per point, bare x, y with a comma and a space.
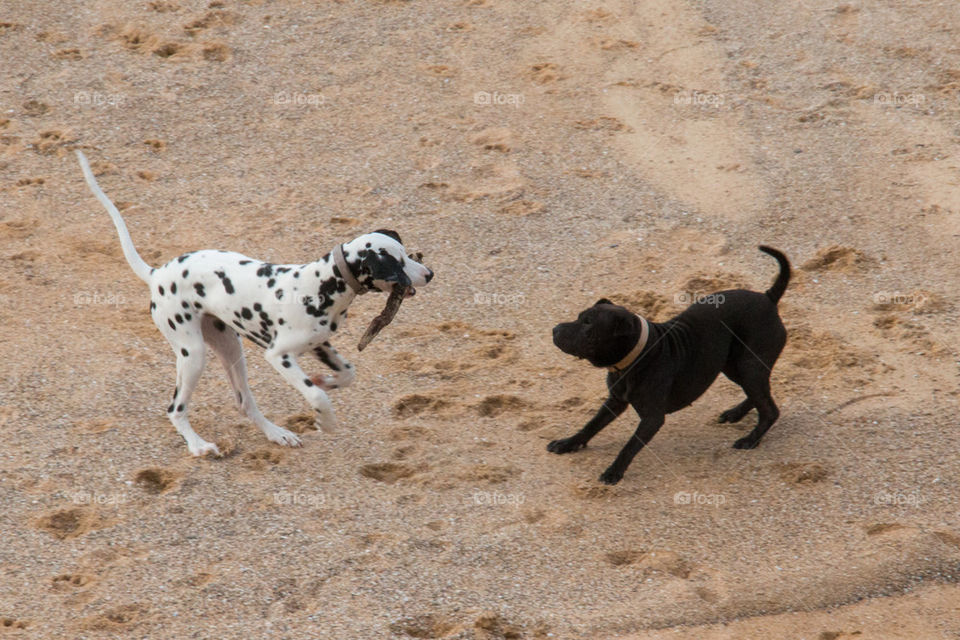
213, 297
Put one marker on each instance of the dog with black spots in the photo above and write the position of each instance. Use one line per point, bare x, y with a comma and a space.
212, 298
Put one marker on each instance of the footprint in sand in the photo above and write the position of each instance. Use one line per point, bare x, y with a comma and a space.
116, 619
68, 582
210, 20
69, 523
53, 141
142, 40
494, 139
155, 480
706, 283
262, 459
602, 123
388, 472
544, 73
521, 207
493, 406
68, 54
12, 624
837, 258
655, 561
650, 304
18, 229
34, 108
300, 423
802, 472
485, 625
418, 403
163, 6
428, 625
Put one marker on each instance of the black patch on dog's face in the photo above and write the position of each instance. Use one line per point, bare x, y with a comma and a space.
602, 334
381, 266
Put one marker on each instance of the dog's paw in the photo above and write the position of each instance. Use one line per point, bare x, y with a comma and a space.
204, 448
611, 476
333, 381
746, 442
283, 437
566, 445
729, 417
325, 420
324, 382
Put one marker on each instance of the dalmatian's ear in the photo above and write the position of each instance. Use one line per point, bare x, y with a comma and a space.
385, 267
390, 232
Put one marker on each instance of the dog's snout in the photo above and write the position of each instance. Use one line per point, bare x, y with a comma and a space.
429, 274
556, 334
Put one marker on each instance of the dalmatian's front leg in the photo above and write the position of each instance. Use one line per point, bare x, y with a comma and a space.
344, 373
284, 360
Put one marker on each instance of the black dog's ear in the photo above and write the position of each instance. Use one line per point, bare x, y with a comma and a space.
602, 301
390, 232
385, 267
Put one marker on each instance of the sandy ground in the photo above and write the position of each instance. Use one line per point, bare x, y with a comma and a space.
541, 155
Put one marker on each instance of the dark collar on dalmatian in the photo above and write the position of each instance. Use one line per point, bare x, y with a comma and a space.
345, 272
631, 357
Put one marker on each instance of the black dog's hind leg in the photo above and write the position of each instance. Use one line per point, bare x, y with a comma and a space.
649, 425
736, 414
756, 384
610, 410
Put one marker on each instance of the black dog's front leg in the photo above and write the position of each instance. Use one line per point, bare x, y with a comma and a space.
649, 425
610, 410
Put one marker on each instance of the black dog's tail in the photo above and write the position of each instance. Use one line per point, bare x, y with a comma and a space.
780, 285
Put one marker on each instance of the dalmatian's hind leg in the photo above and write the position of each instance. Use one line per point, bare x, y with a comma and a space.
187, 342
225, 342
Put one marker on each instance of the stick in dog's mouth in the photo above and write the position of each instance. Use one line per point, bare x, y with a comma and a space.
386, 316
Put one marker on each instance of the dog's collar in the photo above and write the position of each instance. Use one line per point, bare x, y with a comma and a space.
345, 272
637, 348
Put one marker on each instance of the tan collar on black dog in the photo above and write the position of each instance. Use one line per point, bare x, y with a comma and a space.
345, 272
635, 352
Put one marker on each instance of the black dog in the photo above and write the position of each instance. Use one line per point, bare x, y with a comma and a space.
659, 368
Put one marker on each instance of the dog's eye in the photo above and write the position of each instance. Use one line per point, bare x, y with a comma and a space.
416, 256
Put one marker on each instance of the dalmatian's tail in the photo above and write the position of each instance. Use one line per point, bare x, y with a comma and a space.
141, 268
